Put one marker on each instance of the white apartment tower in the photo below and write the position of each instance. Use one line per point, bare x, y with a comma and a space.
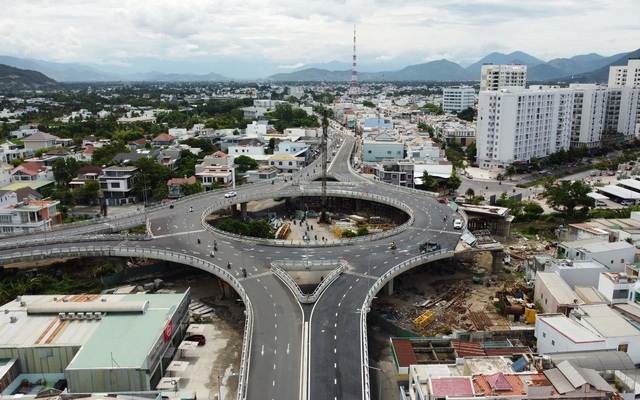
516, 124
590, 104
496, 77
457, 98
625, 75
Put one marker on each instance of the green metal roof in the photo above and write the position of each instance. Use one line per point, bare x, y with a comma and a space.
125, 340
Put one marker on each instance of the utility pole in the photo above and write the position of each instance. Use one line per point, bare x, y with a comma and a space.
323, 148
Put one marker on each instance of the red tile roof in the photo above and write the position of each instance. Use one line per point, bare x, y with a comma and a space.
404, 352
452, 387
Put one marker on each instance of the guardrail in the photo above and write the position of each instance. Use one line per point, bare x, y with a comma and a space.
293, 286
309, 192
109, 251
40, 241
366, 304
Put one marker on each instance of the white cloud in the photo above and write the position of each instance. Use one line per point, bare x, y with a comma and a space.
281, 33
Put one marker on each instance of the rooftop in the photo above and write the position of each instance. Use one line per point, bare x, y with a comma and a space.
569, 328
558, 287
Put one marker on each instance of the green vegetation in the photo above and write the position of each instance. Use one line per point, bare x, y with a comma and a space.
259, 228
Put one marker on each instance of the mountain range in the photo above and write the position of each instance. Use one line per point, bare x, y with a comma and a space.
12, 78
581, 68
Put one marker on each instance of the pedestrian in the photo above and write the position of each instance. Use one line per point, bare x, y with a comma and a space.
323, 238
316, 237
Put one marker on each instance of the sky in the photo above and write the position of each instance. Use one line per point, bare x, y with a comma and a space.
257, 38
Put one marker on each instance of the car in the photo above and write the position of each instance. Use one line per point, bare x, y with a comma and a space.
230, 194
611, 173
601, 203
457, 223
196, 338
627, 202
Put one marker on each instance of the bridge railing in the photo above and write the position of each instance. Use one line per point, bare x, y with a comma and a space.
39, 241
366, 306
109, 251
310, 192
276, 268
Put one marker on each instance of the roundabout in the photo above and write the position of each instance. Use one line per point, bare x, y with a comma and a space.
292, 349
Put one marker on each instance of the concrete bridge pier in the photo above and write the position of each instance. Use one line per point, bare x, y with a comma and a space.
243, 211
496, 263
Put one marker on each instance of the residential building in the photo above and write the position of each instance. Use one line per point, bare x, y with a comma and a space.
10, 152
256, 129
163, 139
116, 184
553, 294
590, 103
579, 272
85, 174
287, 163
382, 147
458, 98
175, 184
263, 174
424, 149
247, 150
20, 216
589, 327
498, 77
209, 175
23, 131
616, 286
625, 75
292, 148
615, 255
517, 124
217, 158
30, 172
39, 140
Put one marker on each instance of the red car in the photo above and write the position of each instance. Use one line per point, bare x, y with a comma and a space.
197, 338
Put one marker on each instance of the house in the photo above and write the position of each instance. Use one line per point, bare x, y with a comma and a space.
84, 174
39, 140
292, 148
210, 175
163, 139
20, 216
138, 154
23, 131
616, 286
87, 153
175, 184
383, 147
614, 255
116, 183
553, 294
589, 327
263, 174
287, 163
28, 172
10, 152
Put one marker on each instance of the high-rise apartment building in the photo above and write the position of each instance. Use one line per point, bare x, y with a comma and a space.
590, 104
625, 75
516, 124
496, 77
458, 98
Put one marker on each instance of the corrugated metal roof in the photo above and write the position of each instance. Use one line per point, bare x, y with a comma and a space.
607, 322
571, 374
559, 382
570, 328
404, 352
599, 360
558, 287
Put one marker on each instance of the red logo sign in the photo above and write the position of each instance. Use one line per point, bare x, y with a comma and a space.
168, 330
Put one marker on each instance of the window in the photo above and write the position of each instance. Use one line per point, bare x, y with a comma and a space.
290, 162
115, 185
544, 334
623, 347
553, 342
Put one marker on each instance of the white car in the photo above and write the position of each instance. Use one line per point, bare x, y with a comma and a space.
457, 224
230, 194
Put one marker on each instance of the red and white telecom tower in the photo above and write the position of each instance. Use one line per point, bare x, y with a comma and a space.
354, 90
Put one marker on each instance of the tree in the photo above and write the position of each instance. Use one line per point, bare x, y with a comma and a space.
245, 163
65, 169
429, 183
472, 152
367, 103
187, 189
470, 193
150, 181
567, 196
454, 182
89, 193
510, 171
467, 114
602, 164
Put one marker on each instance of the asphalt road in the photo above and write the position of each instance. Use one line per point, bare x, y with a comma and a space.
278, 368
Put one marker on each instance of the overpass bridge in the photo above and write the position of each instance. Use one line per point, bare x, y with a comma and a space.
291, 349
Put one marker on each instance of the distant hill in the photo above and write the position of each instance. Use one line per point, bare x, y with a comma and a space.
601, 75
61, 72
160, 77
562, 67
22, 79
441, 70
517, 57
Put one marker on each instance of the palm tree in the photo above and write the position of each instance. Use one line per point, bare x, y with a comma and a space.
470, 193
